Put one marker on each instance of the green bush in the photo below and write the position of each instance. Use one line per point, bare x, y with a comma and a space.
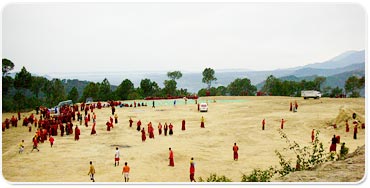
215, 178
258, 175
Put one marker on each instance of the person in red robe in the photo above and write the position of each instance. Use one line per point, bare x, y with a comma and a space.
347, 126
313, 135
93, 131
108, 125
165, 128
88, 117
355, 131
192, 170
296, 105
333, 146
290, 106
170, 128
151, 130
263, 124
130, 121
86, 121
235, 150
159, 128
172, 162
51, 140
77, 133
183, 125
143, 136
282, 124
138, 124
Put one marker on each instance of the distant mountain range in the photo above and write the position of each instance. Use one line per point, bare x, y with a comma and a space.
337, 70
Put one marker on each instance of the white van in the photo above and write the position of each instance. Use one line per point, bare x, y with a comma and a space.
203, 107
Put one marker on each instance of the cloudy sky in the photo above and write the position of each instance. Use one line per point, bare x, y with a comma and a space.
66, 37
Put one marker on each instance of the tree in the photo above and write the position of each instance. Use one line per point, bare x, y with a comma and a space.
353, 86
175, 75
104, 90
149, 88
335, 92
36, 84
91, 90
318, 81
272, 86
221, 91
208, 76
124, 89
170, 87
73, 95
23, 79
7, 83
7, 66
241, 87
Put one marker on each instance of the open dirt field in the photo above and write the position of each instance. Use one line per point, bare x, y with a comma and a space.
211, 147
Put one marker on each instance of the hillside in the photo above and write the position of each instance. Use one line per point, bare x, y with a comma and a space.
349, 170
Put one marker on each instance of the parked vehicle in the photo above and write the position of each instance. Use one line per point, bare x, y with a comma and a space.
203, 107
311, 94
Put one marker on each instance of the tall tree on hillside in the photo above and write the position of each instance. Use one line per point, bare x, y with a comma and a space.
208, 76
272, 85
148, 87
335, 92
37, 83
7, 83
23, 79
91, 90
318, 82
175, 75
170, 87
124, 89
73, 95
7, 66
241, 87
353, 85
104, 90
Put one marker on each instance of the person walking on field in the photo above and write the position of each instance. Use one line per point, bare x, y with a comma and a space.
51, 140
116, 157
172, 162
115, 118
192, 170
347, 126
126, 172
170, 128
282, 123
138, 124
355, 131
263, 124
183, 125
91, 172
159, 128
333, 146
235, 149
143, 136
202, 122
77, 133
165, 128
21, 147
130, 121
313, 135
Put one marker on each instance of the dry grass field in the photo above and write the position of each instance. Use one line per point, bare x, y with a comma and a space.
225, 123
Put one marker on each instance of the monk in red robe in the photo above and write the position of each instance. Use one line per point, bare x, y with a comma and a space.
165, 128
51, 140
347, 126
86, 121
143, 136
282, 124
263, 124
108, 125
138, 124
93, 131
159, 128
235, 150
170, 128
313, 135
77, 133
183, 125
172, 162
130, 121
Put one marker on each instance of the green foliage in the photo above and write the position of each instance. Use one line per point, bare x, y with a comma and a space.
343, 151
37, 83
241, 87
23, 79
7, 66
104, 90
306, 157
124, 89
73, 95
91, 90
208, 76
258, 175
149, 88
175, 75
170, 87
353, 85
215, 178
7, 84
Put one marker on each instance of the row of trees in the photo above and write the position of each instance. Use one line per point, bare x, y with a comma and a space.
26, 91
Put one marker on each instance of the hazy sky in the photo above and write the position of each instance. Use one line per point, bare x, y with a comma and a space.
64, 37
